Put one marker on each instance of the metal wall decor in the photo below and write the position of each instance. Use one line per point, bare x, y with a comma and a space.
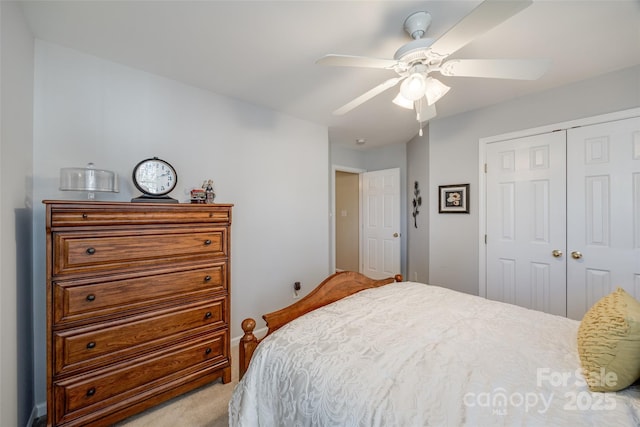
417, 202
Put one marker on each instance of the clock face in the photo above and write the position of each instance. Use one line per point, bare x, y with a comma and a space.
155, 177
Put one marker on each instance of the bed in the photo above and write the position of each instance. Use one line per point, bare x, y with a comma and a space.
362, 352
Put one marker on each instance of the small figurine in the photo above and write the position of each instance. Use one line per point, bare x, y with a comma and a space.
208, 189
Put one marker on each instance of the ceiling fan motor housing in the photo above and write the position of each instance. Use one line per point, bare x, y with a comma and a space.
414, 51
416, 26
417, 23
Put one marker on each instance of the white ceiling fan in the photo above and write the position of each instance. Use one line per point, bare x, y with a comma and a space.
414, 61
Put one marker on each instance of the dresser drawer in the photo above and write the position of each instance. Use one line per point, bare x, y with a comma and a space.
79, 214
83, 252
76, 300
79, 348
125, 383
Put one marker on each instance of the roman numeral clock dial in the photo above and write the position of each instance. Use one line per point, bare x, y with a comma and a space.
155, 178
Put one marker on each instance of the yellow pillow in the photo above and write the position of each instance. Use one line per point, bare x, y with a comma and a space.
609, 342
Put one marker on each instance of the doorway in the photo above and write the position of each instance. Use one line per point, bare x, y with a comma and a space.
347, 221
369, 234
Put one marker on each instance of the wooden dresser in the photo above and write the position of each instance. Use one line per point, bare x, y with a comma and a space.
137, 306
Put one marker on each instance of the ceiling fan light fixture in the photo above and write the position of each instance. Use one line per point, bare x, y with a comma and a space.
414, 87
424, 111
403, 102
420, 107
434, 90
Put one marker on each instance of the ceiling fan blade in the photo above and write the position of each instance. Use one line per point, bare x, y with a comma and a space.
517, 69
356, 61
487, 15
367, 96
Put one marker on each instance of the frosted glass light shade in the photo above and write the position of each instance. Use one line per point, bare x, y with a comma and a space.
403, 102
424, 111
435, 90
414, 86
88, 179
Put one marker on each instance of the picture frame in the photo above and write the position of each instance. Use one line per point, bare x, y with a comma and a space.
453, 198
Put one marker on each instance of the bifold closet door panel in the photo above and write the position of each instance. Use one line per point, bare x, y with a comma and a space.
526, 213
603, 212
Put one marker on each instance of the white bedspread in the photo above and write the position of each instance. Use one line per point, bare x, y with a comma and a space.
409, 354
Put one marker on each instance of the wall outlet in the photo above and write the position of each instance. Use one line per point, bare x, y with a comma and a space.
296, 289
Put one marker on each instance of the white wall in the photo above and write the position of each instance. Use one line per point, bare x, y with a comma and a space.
16, 89
347, 157
453, 159
273, 167
418, 237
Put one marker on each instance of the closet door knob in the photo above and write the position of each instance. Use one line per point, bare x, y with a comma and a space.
576, 255
556, 253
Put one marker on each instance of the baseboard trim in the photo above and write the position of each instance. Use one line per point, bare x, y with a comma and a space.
235, 342
38, 411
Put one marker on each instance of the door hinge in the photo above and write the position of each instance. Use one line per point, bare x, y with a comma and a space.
485, 239
485, 168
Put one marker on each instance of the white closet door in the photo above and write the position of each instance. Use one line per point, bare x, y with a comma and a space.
526, 211
381, 223
603, 212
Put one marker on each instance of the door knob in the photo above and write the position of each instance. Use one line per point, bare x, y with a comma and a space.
395, 234
576, 255
556, 253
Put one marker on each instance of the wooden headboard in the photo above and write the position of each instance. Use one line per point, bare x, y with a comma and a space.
333, 288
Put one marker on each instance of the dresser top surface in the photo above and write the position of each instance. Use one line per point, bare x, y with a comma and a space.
132, 205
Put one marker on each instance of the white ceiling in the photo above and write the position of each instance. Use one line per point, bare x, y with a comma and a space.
264, 52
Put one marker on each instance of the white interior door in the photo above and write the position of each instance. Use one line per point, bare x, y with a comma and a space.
526, 211
603, 222
381, 223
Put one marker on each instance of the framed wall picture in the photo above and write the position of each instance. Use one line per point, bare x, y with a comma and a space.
454, 198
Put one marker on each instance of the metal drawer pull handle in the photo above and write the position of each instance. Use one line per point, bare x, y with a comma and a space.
207, 278
91, 391
207, 242
207, 315
91, 297
91, 251
208, 350
85, 216
91, 344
